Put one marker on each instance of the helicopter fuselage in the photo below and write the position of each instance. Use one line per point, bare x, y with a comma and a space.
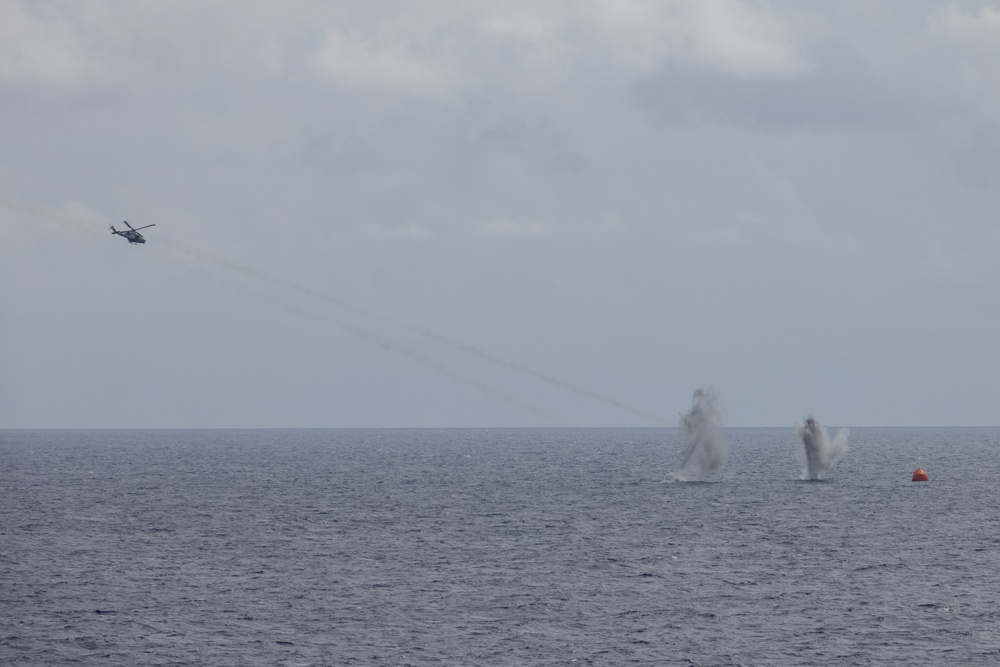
132, 236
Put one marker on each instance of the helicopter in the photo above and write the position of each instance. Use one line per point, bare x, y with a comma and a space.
132, 234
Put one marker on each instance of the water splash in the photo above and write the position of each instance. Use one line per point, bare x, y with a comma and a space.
704, 447
820, 451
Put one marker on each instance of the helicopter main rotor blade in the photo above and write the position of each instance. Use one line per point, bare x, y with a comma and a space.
135, 229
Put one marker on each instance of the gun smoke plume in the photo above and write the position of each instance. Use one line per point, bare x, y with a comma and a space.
704, 448
820, 451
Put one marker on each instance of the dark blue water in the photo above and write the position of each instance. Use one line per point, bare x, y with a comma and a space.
494, 547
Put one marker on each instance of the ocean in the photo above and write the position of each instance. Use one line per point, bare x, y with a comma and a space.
495, 547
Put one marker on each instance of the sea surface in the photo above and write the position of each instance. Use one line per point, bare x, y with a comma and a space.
495, 547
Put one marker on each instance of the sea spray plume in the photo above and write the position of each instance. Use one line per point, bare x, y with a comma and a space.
704, 448
821, 452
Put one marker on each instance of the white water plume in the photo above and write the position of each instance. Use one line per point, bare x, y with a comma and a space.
820, 451
704, 447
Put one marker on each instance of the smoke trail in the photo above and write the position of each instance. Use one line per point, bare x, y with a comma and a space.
704, 448
359, 332
820, 452
425, 361
85, 222
75, 217
482, 355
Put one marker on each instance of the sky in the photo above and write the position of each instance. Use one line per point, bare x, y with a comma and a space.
395, 214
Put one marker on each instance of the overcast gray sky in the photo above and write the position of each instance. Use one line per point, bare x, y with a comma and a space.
499, 214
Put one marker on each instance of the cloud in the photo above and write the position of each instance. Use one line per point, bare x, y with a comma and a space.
511, 228
406, 231
395, 62
76, 46
40, 44
398, 48
742, 42
644, 35
721, 35
537, 38
960, 23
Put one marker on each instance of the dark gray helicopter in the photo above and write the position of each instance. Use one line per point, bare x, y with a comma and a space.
132, 234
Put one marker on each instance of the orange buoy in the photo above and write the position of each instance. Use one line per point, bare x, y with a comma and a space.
919, 475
